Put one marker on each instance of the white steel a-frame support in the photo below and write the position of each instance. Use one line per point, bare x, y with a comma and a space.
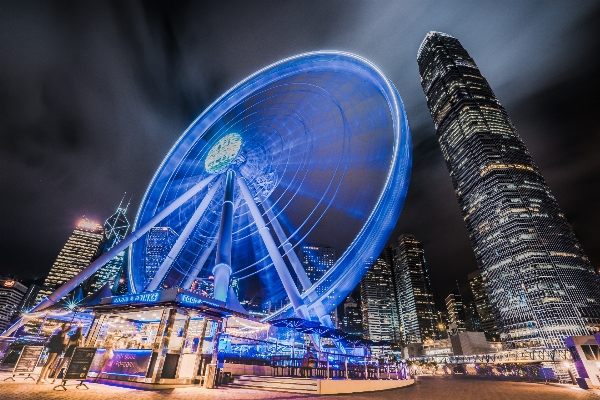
119, 247
183, 237
274, 254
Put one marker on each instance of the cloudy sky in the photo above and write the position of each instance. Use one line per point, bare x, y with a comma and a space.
93, 95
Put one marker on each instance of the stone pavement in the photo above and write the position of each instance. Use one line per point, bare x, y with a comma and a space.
427, 388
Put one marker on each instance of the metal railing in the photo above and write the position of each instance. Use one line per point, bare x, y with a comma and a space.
510, 356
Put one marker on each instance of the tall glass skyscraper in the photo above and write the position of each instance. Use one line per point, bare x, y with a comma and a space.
316, 260
541, 286
482, 303
413, 291
378, 300
115, 229
159, 242
82, 247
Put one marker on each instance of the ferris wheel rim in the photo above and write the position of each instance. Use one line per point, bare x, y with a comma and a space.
246, 86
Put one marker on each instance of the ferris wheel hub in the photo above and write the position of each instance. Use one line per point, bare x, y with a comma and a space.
223, 153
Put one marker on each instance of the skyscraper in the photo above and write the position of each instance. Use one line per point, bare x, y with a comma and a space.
352, 319
456, 310
82, 247
11, 296
482, 303
413, 291
159, 241
316, 261
115, 229
379, 313
541, 286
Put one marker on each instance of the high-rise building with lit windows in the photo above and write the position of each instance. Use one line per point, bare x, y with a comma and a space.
159, 242
316, 260
413, 291
378, 302
352, 319
83, 246
456, 311
115, 229
483, 306
11, 296
542, 287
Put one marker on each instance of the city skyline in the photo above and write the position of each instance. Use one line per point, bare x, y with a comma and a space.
51, 162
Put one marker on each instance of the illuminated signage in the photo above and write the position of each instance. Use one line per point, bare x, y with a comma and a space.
9, 283
191, 300
149, 297
87, 224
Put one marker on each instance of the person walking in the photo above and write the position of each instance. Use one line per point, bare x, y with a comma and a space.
76, 340
55, 346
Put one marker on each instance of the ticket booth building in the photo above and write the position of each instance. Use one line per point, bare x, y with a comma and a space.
155, 340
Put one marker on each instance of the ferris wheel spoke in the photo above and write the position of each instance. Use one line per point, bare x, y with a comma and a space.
317, 306
276, 258
122, 245
287, 247
183, 237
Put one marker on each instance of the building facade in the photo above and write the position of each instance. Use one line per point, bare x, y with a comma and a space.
413, 291
159, 241
316, 260
11, 297
83, 246
115, 230
352, 317
541, 286
456, 311
378, 303
482, 303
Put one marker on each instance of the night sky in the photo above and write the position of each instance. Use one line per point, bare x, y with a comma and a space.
94, 94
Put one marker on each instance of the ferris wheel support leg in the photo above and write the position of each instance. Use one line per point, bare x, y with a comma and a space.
182, 239
297, 265
274, 254
222, 270
119, 247
287, 248
194, 273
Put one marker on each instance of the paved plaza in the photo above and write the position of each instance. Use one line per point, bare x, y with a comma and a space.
427, 388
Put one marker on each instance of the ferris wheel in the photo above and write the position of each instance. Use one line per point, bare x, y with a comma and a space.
312, 149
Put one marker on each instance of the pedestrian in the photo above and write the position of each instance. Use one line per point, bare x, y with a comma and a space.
55, 346
76, 340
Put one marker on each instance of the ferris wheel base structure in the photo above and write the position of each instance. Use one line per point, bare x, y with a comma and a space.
313, 148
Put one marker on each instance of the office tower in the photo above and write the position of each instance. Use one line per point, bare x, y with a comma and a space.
82, 247
482, 303
11, 296
472, 320
115, 230
413, 291
28, 301
159, 241
541, 286
379, 314
316, 261
352, 319
456, 311
441, 327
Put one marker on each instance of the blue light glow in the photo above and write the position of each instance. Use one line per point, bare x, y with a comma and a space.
326, 150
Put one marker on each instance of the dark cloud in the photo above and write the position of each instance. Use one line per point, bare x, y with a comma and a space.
93, 94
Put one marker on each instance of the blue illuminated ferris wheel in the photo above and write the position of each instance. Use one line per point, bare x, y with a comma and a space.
312, 149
